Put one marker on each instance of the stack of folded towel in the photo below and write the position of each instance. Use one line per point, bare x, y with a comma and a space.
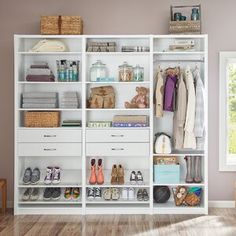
40, 72
71, 123
130, 121
70, 100
39, 100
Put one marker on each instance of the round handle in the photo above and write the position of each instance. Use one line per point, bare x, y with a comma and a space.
49, 136
117, 135
49, 149
117, 149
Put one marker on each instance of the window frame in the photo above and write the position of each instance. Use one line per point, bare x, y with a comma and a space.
225, 164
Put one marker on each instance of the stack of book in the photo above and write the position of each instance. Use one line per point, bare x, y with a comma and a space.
130, 121
71, 123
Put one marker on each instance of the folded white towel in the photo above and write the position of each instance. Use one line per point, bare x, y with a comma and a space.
47, 45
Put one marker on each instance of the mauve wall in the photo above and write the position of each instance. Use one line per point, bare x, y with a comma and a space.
115, 17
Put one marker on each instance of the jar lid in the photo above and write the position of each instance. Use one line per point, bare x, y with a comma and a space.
98, 63
138, 67
125, 64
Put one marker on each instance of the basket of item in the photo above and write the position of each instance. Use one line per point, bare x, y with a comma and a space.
185, 19
42, 119
71, 25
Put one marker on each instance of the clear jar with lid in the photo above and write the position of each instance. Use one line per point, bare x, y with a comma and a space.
138, 73
125, 72
98, 70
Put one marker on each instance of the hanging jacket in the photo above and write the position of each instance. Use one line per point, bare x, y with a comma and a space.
189, 137
180, 114
159, 94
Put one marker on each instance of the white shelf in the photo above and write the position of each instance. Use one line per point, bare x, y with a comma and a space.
61, 201
50, 128
118, 82
49, 53
50, 83
179, 53
118, 53
115, 128
187, 153
182, 182
119, 201
49, 109
118, 109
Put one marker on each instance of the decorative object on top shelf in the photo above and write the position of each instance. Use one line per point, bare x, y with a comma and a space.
141, 100
99, 124
161, 194
101, 47
98, 72
135, 49
67, 70
70, 25
49, 45
193, 164
102, 97
185, 196
130, 121
181, 24
162, 143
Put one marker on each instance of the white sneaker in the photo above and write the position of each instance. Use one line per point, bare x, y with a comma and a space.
124, 194
131, 194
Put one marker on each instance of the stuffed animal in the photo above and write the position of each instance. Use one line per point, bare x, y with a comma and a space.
141, 100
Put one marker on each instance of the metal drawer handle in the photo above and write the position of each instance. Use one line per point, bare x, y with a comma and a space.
117, 149
49, 136
49, 149
117, 135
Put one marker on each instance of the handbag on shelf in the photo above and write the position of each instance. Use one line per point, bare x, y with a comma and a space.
162, 143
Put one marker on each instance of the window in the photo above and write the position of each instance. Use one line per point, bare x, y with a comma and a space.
227, 112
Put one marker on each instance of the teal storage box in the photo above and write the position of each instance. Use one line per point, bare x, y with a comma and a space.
166, 174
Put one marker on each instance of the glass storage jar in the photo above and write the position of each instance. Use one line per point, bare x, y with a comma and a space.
138, 73
98, 70
125, 72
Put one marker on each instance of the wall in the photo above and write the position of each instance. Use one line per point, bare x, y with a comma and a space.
115, 17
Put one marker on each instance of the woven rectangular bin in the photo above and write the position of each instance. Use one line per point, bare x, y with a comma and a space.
71, 25
42, 119
185, 27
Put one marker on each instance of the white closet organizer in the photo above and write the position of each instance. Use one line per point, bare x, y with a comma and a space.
72, 148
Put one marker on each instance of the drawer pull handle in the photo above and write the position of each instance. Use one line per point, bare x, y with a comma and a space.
117, 135
49, 136
117, 149
49, 149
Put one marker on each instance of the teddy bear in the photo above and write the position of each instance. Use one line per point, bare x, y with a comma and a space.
141, 100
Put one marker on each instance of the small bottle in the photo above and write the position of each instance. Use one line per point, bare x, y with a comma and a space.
74, 71
195, 14
62, 71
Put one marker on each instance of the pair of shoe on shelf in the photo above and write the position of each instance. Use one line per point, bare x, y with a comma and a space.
53, 175
31, 194
117, 174
136, 177
111, 194
52, 194
94, 193
142, 195
96, 175
72, 193
193, 174
128, 194
31, 177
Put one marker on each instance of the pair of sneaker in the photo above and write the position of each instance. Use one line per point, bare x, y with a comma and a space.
111, 194
94, 193
142, 195
52, 194
53, 175
128, 194
72, 193
31, 194
31, 177
136, 177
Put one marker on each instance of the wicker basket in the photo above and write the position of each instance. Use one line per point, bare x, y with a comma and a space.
61, 25
41, 119
185, 27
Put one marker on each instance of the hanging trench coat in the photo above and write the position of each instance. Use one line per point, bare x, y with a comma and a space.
159, 94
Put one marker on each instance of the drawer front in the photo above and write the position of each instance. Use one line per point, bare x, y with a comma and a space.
117, 149
49, 149
119, 135
49, 136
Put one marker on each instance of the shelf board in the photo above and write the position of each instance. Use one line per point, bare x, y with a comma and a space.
114, 128
182, 182
61, 201
119, 82
125, 185
56, 82
120, 201
118, 53
184, 153
49, 53
118, 109
49, 128
179, 53
49, 109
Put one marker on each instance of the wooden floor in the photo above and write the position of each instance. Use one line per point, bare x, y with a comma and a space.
219, 222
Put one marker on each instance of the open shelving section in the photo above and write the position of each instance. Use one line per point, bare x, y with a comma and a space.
72, 148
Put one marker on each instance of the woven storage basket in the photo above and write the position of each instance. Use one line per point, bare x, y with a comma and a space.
185, 27
41, 119
61, 25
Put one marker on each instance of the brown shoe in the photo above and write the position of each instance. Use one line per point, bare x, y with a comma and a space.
114, 175
120, 175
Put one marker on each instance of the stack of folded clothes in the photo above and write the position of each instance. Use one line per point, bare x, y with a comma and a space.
40, 72
39, 100
71, 123
130, 121
70, 100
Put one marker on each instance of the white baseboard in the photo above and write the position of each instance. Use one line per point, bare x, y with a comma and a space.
222, 204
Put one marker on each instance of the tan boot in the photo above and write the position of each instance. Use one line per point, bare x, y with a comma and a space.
114, 175
120, 175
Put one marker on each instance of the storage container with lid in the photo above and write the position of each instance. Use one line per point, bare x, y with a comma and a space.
138, 73
98, 70
125, 72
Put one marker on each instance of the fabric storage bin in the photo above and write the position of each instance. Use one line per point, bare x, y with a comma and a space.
166, 174
61, 25
42, 119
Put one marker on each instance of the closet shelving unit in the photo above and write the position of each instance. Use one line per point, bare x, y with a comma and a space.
74, 147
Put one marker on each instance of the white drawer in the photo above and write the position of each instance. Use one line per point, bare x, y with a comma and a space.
49, 149
49, 136
117, 135
117, 149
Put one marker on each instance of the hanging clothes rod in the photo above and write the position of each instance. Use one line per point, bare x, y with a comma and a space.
179, 60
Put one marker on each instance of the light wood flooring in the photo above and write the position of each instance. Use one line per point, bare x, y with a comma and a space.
219, 222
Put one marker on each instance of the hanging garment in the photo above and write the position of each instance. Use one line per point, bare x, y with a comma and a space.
189, 137
180, 114
170, 86
159, 93
199, 125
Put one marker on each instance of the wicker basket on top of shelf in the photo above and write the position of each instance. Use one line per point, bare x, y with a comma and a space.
186, 26
70, 25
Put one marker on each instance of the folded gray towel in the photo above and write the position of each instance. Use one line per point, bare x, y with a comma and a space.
39, 105
39, 100
39, 95
38, 71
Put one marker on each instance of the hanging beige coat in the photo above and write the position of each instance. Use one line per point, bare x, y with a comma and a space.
180, 114
159, 94
189, 138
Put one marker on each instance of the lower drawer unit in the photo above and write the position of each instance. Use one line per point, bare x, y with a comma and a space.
117, 149
49, 149
166, 174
